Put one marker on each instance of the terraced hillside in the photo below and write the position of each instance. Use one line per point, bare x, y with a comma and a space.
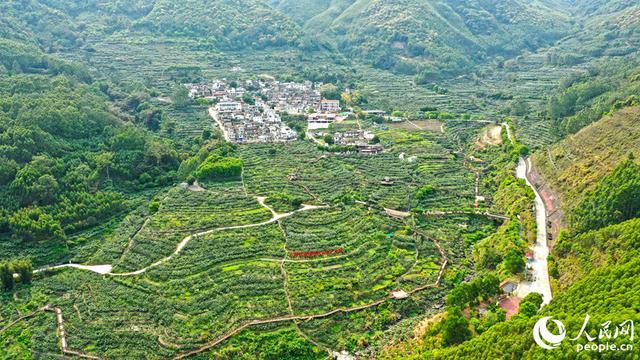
204, 267
300, 251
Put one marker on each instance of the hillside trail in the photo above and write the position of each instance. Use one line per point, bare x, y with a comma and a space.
293, 317
107, 268
540, 283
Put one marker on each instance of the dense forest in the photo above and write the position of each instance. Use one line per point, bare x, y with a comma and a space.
68, 156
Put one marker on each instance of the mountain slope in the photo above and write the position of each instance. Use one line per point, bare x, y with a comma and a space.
412, 36
574, 166
229, 24
301, 10
592, 270
67, 155
599, 7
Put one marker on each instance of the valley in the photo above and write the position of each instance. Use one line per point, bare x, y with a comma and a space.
317, 179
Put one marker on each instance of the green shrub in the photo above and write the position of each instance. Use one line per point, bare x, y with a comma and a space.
216, 167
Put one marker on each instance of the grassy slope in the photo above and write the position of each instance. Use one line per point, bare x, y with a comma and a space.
574, 165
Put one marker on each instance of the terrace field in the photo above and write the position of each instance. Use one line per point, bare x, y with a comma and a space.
201, 266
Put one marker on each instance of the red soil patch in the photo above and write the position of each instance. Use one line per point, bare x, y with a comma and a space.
315, 253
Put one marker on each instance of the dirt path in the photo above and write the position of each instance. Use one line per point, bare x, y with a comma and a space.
540, 283
414, 124
98, 269
296, 318
509, 134
107, 269
313, 138
63, 336
22, 318
464, 212
214, 115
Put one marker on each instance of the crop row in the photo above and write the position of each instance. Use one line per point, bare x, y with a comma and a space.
185, 212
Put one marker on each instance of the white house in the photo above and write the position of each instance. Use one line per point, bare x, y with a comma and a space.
330, 106
228, 106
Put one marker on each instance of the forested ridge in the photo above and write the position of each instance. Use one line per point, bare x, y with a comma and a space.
68, 156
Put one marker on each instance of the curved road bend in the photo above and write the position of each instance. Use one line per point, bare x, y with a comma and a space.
107, 268
540, 283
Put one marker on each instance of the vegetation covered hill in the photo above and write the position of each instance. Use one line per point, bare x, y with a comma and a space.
416, 36
67, 154
226, 23
591, 265
91, 151
592, 295
599, 7
303, 10
574, 166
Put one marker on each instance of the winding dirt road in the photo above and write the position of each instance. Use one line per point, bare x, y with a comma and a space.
107, 269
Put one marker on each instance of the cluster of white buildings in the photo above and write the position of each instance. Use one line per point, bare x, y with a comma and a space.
249, 111
361, 139
250, 123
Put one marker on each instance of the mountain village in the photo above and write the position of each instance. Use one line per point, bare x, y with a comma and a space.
250, 112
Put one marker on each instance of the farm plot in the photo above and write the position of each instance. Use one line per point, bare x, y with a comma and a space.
428, 262
145, 317
267, 167
384, 179
388, 179
435, 165
220, 298
329, 178
327, 229
187, 123
352, 331
462, 133
451, 231
377, 253
222, 247
359, 278
102, 316
182, 213
434, 126
279, 341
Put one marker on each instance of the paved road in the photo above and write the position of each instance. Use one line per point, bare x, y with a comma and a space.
540, 249
99, 269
